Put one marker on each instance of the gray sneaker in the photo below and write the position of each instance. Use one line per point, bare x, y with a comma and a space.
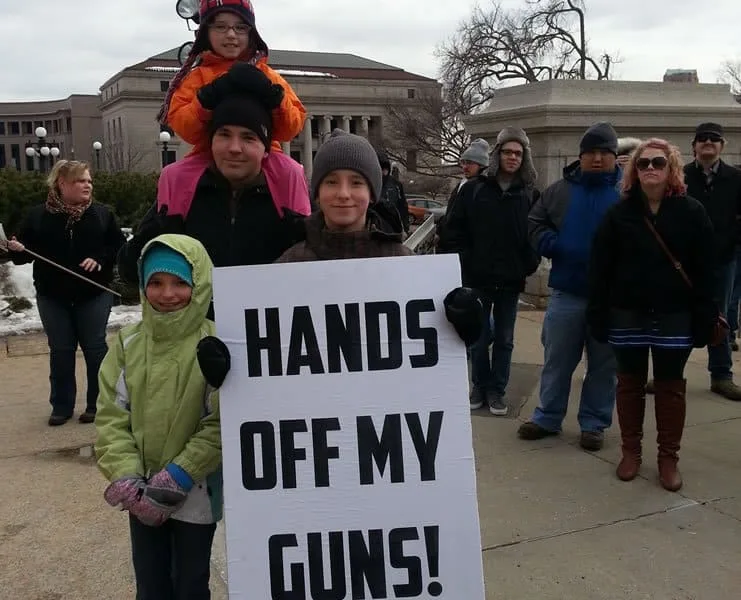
475, 398
497, 406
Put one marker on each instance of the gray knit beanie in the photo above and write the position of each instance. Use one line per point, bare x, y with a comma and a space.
477, 152
344, 150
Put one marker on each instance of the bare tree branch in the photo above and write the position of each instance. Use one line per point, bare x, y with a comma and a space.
544, 40
730, 73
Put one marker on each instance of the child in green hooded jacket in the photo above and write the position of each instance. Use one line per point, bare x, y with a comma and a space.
159, 440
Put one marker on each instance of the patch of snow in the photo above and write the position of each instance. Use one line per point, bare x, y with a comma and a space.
301, 73
163, 69
14, 323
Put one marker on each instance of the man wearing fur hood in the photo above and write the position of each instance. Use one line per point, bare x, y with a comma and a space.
488, 229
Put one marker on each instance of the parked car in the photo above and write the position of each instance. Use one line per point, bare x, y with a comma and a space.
426, 205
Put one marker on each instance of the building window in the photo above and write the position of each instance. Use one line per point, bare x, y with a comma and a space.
3, 162
2, 127
411, 93
55, 126
353, 126
30, 163
14, 128
15, 156
411, 160
69, 124
27, 127
164, 86
47, 126
120, 129
168, 157
314, 128
38, 124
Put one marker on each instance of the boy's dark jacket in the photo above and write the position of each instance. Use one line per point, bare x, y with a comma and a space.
379, 238
488, 228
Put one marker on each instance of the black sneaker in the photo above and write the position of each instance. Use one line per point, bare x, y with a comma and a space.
476, 398
57, 420
497, 406
87, 417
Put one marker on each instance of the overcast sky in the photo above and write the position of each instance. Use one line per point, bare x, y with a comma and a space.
53, 48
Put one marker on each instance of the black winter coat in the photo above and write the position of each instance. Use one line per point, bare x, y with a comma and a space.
242, 228
722, 201
96, 235
488, 228
629, 270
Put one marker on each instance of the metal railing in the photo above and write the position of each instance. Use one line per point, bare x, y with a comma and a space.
422, 241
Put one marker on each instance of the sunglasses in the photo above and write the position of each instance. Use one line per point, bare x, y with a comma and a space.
657, 162
708, 137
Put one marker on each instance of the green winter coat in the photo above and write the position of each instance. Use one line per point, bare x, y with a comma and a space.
154, 406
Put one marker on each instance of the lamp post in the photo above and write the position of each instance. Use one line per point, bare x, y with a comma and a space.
97, 146
41, 149
165, 138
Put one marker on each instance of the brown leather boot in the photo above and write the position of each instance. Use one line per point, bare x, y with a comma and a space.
631, 407
671, 408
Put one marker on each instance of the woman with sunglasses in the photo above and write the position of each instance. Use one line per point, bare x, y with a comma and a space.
651, 289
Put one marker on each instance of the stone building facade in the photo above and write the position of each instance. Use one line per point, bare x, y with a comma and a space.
338, 90
556, 113
72, 125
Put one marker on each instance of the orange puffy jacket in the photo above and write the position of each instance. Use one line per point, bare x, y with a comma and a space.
189, 120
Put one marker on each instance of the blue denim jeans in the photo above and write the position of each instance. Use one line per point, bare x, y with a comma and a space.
66, 325
732, 314
564, 337
720, 359
492, 373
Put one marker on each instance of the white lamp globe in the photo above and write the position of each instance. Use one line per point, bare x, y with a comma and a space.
30, 151
97, 146
45, 151
54, 151
40, 132
165, 137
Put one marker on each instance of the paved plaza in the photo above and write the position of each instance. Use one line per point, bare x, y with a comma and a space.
556, 524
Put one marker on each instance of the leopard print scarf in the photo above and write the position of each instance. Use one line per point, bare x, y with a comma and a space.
55, 205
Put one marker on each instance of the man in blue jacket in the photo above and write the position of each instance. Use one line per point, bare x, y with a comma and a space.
562, 224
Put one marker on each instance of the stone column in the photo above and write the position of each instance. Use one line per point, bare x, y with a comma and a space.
286, 148
325, 128
346, 123
364, 121
306, 157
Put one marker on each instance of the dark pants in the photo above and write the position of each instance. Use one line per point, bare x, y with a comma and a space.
492, 374
735, 296
668, 364
171, 562
66, 325
720, 359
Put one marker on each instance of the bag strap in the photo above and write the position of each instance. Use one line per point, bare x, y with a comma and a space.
665, 248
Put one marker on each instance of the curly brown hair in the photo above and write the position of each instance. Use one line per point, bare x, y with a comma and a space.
675, 185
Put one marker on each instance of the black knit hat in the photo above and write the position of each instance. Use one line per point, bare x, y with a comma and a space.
600, 136
347, 151
245, 111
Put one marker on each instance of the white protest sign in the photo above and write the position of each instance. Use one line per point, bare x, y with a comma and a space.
346, 432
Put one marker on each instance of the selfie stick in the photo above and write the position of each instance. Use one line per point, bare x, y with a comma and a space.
65, 269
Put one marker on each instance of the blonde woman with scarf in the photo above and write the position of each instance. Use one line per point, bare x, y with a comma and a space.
76, 232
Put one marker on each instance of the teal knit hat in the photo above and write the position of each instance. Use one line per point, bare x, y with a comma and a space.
163, 259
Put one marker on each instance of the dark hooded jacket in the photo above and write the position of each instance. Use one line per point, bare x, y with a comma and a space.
488, 228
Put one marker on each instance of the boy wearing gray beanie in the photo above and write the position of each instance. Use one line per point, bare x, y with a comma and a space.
351, 222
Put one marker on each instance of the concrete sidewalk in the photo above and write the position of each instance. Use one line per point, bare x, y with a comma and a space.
555, 522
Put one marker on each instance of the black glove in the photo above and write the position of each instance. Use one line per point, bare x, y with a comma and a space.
214, 360
161, 223
464, 310
213, 93
245, 77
